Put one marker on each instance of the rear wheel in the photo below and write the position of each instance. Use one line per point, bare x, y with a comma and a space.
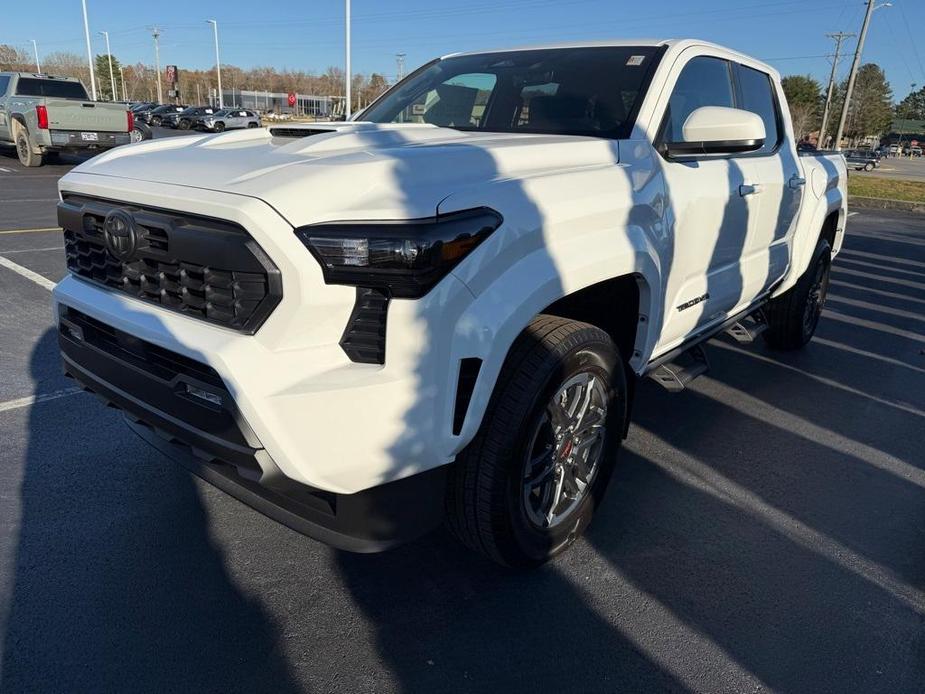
794, 315
27, 157
527, 485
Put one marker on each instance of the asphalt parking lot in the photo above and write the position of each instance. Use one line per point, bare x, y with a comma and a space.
765, 530
902, 168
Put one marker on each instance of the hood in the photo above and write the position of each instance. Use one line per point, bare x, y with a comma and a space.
348, 170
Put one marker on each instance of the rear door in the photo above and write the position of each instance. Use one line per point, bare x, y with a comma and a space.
773, 184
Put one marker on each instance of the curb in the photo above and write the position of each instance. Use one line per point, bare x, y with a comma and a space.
886, 204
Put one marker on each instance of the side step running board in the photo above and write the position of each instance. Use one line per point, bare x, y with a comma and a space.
748, 329
674, 376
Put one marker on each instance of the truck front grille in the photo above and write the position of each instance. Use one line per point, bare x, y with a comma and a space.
200, 267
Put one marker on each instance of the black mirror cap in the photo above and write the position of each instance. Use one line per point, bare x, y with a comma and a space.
687, 149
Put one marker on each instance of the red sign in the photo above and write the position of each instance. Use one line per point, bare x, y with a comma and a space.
291, 99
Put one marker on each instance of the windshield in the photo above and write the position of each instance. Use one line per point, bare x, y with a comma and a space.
57, 89
572, 91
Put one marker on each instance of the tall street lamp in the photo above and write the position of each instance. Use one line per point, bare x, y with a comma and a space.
35, 47
89, 51
218, 63
112, 78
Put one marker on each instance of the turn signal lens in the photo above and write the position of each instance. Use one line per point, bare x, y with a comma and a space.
404, 258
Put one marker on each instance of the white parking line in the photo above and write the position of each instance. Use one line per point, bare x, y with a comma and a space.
33, 250
851, 214
33, 399
28, 231
27, 273
6, 170
32, 200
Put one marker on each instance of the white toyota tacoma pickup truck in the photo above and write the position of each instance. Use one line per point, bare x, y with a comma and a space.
439, 311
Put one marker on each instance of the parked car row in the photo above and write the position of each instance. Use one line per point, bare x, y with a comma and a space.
196, 117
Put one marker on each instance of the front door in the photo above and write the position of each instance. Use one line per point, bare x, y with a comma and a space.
709, 211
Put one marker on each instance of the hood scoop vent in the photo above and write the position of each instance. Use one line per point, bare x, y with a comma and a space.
298, 132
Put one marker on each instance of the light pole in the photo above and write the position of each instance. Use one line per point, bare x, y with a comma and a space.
35, 47
89, 52
122, 80
218, 63
839, 37
854, 70
349, 76
157, 64
112, 77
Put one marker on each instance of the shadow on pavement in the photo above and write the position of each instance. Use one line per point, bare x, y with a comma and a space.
117, 584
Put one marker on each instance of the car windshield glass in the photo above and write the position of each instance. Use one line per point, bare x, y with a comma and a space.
58, 89
573, 91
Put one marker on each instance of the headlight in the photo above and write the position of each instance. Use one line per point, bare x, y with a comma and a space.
406, 259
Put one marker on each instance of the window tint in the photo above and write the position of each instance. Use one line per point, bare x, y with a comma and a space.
574, 91
704, 81
758, 97
58, 89
4, 83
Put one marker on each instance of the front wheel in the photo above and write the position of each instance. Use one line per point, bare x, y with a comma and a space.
183, 125
527, 485
868, 167
794, 315
219, 127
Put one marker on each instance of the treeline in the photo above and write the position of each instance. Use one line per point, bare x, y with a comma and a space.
141, 80
870, 115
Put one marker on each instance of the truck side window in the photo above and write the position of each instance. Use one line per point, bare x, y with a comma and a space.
704, 81
758, 97
4, 84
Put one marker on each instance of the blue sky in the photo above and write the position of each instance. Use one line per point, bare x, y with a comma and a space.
308, 34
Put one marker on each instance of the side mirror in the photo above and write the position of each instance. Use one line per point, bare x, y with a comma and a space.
719, 130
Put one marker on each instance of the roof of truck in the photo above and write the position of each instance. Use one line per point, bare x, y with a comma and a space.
677, 44
42, 76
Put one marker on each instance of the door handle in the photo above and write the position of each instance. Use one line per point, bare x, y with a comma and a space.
797, 181
749, 189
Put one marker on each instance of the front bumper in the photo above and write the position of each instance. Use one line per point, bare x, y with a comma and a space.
324, 421
87, 139
183, 408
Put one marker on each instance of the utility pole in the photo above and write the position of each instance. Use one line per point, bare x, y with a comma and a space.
198, 95
157, 64
854, 70
218, 63
349, 75
122, 79
112, 78
839, 37
89, 51
38, 65
400, 62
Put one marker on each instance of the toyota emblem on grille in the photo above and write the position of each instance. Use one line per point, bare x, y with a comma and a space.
120, 235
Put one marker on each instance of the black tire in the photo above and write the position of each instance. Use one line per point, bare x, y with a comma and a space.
219, 127
486, 498
252, 125
155, 120
868, 167
27, 157
140, 132
794, 315
183, 125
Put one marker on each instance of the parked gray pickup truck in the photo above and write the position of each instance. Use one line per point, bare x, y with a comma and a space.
43, 114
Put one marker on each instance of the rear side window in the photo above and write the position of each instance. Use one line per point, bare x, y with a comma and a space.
4, 83
758, 97
704, 81
56, 89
